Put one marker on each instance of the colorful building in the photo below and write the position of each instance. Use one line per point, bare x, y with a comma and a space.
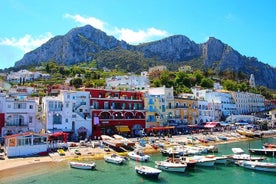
115, 111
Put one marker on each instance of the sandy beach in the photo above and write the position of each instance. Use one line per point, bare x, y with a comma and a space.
7, 166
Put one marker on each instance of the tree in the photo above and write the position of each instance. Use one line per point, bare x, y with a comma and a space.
207, 83
230, 85
76, 82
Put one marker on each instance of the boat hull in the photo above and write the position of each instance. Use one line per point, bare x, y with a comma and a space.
84, 166
259, 166
267, 152
114, 159
166, 166
140, 158
148, 171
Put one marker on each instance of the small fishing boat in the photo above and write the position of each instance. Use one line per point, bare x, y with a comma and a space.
147, 171
240, 155
204, 161
219, 159
171, 166
77, 152
263, 151
115, 159
82, 165
256, 165
61, 152
138, 155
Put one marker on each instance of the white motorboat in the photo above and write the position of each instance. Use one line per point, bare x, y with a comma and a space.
240, 155
115, 159
138, 155
125, 141
219, 159
147, 171
204, 161
82, 165
256, 165
171, 166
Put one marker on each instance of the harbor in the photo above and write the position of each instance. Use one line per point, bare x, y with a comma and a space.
55, 165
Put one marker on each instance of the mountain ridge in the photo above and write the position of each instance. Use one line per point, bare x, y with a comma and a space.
83, 44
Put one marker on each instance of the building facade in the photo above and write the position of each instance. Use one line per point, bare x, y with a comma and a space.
116, 112
68, 112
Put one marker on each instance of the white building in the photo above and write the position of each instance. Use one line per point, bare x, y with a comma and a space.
207, 113
23, 76
220, 102
131, 82
21, 115
248, 103
68, 112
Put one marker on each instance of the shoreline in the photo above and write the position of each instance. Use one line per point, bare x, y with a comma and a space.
93, 154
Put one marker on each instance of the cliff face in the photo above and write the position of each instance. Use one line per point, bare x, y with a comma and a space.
81, 44
78, 45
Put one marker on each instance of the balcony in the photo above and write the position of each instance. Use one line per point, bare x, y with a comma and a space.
16, 124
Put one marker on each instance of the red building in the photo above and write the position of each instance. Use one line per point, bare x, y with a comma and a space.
117, 112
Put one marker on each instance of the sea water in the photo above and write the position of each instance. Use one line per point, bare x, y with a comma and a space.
106, 173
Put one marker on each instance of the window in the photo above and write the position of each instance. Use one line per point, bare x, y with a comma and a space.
31, 106
30, 119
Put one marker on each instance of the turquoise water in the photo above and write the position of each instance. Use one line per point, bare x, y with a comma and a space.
55, 173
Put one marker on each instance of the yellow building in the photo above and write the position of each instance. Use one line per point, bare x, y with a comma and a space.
186, 110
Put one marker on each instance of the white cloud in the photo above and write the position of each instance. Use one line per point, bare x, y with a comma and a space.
140, 36
126, 34
97, 23
26, 43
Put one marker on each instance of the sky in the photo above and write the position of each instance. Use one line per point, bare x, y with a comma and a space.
248, 26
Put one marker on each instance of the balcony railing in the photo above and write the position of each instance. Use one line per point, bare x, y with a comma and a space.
16, 124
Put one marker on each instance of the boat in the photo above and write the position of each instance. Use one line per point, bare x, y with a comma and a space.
263, 151
115, 159
61, 152
138, 155
109, 141
240, 155
219, 159
82, 165
249, 133
77, 152
124, 140
171, 165
222, 138
187, 160
269, 145
256, 165
147, 171
204, 161
175, 151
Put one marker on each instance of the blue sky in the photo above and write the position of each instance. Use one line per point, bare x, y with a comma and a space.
248, 26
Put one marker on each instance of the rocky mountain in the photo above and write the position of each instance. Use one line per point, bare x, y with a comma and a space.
86, 43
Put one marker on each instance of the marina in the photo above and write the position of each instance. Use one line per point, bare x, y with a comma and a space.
117, 174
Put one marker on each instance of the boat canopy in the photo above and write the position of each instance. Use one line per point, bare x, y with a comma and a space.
211, 124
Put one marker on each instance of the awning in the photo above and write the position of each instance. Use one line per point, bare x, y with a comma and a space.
160, 128
122, 128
